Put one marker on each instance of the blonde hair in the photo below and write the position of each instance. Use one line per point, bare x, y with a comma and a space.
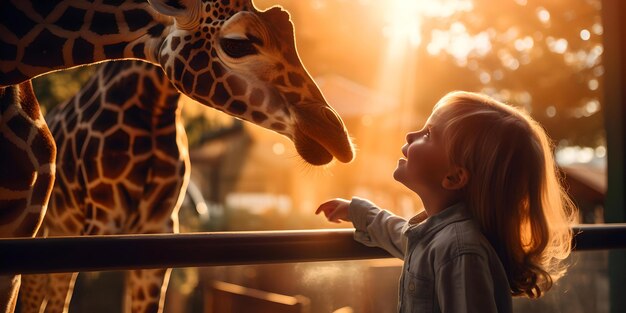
514, 189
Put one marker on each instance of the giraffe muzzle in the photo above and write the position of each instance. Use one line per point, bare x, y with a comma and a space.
321, 134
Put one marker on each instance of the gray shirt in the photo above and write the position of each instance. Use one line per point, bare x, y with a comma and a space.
449, 266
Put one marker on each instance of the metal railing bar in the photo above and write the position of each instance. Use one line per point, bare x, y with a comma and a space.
125, 252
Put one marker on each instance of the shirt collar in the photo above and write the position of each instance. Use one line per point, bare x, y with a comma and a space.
454, 213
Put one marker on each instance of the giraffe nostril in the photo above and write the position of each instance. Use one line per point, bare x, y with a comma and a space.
332, 116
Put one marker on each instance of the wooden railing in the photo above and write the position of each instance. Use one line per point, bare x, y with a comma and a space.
99, 253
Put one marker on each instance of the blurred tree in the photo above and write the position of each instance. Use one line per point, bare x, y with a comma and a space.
55, 88
543, 55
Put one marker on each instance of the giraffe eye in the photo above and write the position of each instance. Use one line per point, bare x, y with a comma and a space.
238, 48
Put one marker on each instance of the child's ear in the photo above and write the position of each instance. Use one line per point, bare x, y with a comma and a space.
456, 179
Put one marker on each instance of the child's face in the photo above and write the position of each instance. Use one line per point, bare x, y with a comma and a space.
426, 164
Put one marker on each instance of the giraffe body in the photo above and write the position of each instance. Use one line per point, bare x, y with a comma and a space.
225, 54
122, 168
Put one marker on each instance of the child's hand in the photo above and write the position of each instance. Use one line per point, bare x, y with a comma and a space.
335, 210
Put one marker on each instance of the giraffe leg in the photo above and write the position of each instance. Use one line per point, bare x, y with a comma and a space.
146, 290
9, 286
27, 167
32, 293
59, 292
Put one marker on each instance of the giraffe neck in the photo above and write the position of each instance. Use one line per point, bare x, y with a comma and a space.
45, 36
137, 86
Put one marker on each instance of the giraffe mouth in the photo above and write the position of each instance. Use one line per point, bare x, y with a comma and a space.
321, 135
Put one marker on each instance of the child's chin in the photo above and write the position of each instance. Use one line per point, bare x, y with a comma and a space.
397, 174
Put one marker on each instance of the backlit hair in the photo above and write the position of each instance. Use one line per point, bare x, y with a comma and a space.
514, 189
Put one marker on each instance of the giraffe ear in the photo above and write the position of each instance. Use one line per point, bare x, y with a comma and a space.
186, 12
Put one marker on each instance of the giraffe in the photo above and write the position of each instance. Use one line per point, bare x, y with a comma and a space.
27, 169
223, 53
122, 168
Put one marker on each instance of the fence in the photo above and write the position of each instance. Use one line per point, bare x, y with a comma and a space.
123, 252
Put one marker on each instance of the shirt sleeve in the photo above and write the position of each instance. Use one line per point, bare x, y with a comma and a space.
464, 284
376, 227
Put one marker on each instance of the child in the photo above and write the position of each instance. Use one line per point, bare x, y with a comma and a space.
497, 219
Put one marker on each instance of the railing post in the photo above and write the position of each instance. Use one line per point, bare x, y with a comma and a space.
614, 59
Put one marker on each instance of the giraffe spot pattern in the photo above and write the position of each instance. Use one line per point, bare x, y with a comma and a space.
120, 92
218, 69
138, 51
135, 117
165, 120
237, 107
186, 51
257, 97
220, 95
9, 17
154, 291
200, 61
113, 2
237, 85
66, 163
293, 97
163, 143
118, 142
107, 119
179, 66
139, 172
29, 224
156, 30
142, 145
137, 19
11, 210
70, 123
295, 79
110, 70
115, 50
174, 43
279, 81
188, 81
71, 19
149, 92
103, 23
43, 147
7, 51
80, 136
91, 108
259, 117
40, 190
203, 85
90, 161
82, 51
43, 8
20, 126
17, 171
45, 50
101, 194
278, 126
115, 166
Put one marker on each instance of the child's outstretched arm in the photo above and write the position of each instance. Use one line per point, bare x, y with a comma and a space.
374, 227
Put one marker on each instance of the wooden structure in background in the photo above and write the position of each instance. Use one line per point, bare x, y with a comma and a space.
614, 61
222, 297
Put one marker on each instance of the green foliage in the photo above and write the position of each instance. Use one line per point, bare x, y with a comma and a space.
55, 88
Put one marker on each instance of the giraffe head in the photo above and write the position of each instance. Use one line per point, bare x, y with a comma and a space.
235, 58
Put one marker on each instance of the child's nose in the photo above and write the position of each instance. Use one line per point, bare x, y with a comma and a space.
410, 137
